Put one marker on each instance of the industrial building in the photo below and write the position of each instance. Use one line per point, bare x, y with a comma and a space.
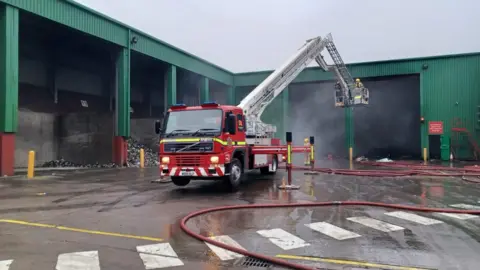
76, 84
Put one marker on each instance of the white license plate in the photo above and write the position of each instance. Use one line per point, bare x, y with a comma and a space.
187, 173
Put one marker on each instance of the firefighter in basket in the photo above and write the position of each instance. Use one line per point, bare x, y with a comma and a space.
358, 83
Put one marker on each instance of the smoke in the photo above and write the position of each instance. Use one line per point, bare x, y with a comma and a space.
218, 92
387, 127
312, 113
188, 87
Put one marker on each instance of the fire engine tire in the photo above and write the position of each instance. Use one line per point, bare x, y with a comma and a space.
234, 179
180, 181
265, 170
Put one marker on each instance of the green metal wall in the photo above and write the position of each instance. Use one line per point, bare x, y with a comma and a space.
450, 87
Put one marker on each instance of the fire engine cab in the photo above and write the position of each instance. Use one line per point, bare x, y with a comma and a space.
209, 141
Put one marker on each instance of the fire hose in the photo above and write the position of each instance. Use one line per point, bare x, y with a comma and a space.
374, 173
427, 171
286, 263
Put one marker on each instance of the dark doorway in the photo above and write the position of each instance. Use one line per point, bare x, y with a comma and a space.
434, 146
389, 126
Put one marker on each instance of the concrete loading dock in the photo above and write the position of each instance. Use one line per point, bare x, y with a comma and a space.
128, 78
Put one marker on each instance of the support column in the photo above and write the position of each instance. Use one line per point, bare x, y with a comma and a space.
122, 108
204, 90
9, 30
171, 87
231, 95
285, 109
349, 131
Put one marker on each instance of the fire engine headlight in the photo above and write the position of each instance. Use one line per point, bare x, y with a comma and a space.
214, 159
165, 160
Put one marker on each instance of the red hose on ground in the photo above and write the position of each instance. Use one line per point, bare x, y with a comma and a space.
286, 263
419, 166
394, 173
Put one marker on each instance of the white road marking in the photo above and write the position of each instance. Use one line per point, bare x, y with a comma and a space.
466, 206
458, 216
78, 260
224, 254
414, 218
283, 239
5, 265
376, 224
158, 256
332, 230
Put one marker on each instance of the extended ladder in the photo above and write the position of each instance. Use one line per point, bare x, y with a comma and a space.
347, 94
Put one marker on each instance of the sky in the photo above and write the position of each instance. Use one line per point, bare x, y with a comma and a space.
253, 35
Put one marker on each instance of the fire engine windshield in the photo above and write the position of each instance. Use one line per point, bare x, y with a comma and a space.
199, 121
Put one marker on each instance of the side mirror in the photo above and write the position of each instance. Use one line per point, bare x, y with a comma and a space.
231, 128
158, 126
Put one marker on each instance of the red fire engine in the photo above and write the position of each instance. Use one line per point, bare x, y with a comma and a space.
215, 141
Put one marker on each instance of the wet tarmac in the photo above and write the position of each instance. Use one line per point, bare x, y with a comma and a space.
118, 219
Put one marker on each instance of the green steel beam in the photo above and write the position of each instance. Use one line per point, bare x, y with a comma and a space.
204, 90
171, 86
349, 130
122, 112
286, 111
424, 143
84, 19
9, 27
231, 95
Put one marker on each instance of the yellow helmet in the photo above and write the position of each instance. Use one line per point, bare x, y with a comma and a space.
357, 80
306, 140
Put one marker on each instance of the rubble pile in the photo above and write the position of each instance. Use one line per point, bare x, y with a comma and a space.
151, 158
62, 163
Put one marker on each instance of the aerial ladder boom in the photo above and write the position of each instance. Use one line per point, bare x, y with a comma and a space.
256, 101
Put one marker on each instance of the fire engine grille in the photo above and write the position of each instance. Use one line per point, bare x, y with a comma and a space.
187, 161
193, 147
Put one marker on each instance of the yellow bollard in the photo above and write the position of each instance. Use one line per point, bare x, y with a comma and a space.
142, 158
350, 154
306, 143
425, 154
31, 164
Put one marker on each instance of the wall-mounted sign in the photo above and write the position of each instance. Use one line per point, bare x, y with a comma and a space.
84, 103
435, 127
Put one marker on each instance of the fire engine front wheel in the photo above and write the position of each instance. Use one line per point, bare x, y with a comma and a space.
234, 180
180, 181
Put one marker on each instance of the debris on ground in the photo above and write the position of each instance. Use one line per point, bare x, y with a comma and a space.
385, 160
151, 158
62, 163
362, 158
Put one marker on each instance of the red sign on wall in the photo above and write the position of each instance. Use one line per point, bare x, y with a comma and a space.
435, 127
